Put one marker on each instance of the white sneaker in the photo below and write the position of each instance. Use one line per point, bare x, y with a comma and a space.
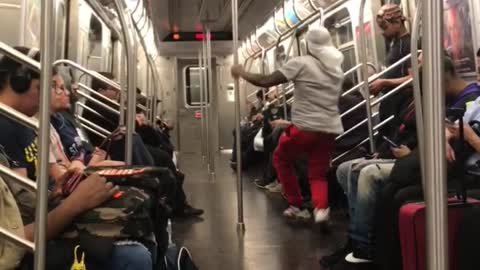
352, 259
321, 215
294, 212
276, 187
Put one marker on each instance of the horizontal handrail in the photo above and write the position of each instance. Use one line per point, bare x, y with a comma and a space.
18, 116
23, 181
93, 125
19, 57
352, 149
378, 75
354, 127
93, 130
354, 108
91, 110
101, 104
377, 127
87, 71
393, 91
96, 93
19, 241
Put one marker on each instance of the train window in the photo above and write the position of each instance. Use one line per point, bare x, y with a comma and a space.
192, 86
60, 29
303, 8
290, 16
280, 56
280, 23
340, 28
267, 35
322, 3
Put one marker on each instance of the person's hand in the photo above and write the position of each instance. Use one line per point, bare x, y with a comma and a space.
377, 86
401, 151
257, 118
237, 71
450, 153
469, 133
92, 192
76, 167
280, 123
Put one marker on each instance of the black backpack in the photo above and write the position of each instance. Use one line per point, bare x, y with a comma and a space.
179, 259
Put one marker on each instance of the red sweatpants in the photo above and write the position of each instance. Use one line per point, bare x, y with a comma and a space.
319, 147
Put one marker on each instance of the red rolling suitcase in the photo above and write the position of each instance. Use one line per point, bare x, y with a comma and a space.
412, 232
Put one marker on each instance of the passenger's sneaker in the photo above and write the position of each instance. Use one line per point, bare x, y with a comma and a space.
293, 212
275, 187
321, 215
352, 258
338, 255
262, 183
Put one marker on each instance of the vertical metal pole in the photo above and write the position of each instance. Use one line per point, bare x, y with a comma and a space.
213, 107
202, 100
262, 70
416, 88
131, 52
434, 109
364, 71
123, 88
207, 104
46, 60
240, 221
148, 113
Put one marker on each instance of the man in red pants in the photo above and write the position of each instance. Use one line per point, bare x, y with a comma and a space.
318, 79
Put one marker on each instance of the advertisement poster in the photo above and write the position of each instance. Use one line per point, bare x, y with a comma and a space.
458, 36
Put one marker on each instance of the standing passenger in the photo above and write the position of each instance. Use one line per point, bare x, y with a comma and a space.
318, 79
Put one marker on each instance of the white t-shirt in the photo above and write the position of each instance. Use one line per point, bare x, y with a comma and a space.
315, 107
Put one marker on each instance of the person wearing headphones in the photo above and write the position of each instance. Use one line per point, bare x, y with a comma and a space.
318, 78
20, 90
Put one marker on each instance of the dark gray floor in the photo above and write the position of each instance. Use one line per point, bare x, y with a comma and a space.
269, 243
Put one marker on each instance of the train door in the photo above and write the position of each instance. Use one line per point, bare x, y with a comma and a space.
189, 113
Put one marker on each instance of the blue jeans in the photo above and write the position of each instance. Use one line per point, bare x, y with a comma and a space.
131, 257
362, 181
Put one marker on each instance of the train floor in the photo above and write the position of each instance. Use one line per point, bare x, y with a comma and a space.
269, 241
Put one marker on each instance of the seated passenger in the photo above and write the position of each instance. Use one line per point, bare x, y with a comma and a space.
478, 65
318, 79
19, 89
391, 21
371, 179
109, 119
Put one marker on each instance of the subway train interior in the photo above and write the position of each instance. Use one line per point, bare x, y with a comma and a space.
242, 134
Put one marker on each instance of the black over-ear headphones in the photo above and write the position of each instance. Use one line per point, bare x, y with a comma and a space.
21, 79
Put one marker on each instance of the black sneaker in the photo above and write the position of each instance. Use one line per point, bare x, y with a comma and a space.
189, 211
337, 256
262, 183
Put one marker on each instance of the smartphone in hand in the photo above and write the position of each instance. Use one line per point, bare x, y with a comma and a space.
390, 142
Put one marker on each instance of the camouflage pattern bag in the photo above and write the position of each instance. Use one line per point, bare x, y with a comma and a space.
127, 215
